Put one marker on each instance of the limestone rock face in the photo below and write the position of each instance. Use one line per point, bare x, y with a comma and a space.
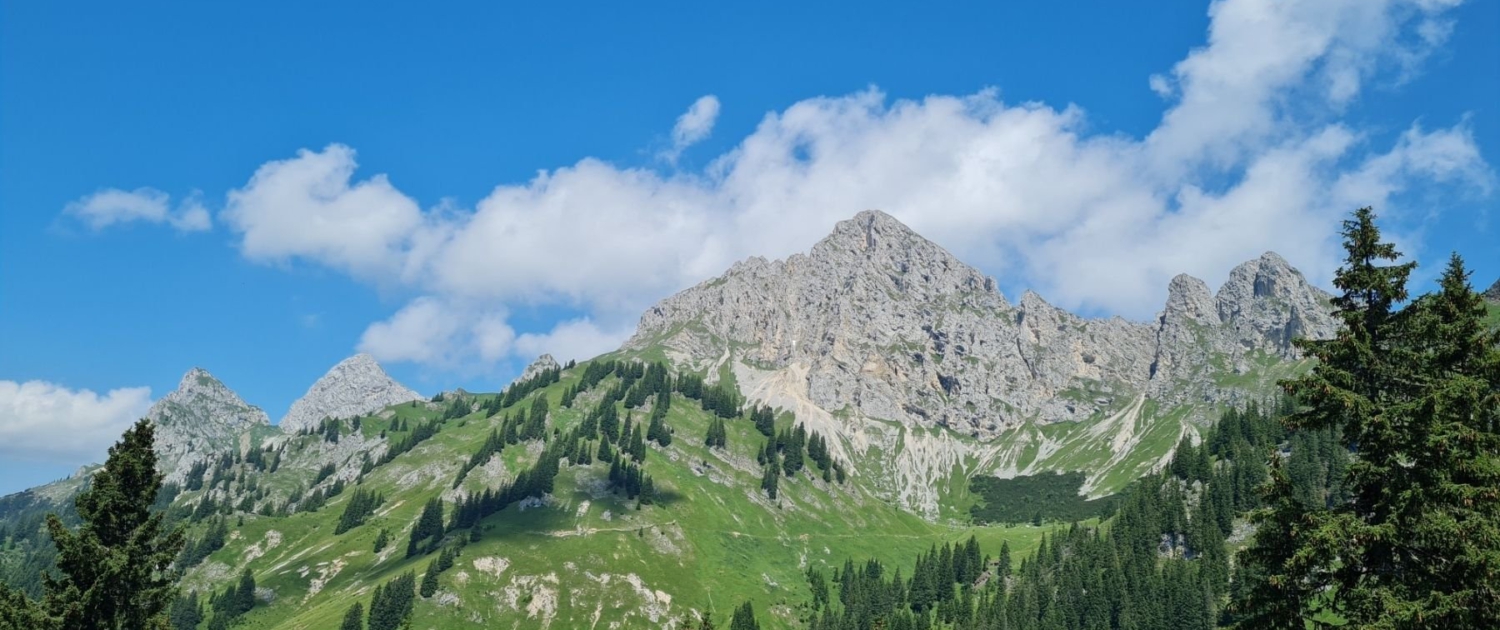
1493, 293
356, 386
541, 364
886, 324
201, 417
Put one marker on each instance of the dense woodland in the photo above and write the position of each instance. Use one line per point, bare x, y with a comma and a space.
1368, 495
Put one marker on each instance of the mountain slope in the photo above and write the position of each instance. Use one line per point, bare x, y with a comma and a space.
585, 555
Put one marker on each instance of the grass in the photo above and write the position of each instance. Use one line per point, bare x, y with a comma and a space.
586, 559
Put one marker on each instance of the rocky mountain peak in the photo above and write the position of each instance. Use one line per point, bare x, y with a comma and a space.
1266, 302
355, 386
875, 243
200, 417
541, 364
1189, 297
1493, 293
878, 321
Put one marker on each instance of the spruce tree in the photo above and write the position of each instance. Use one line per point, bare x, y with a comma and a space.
354, 618
744, 618
1412, 539
114, 571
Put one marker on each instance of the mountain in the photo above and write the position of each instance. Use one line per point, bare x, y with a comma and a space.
878, 327
1492, 294
201, 417
541, 364
355, 386
911, 368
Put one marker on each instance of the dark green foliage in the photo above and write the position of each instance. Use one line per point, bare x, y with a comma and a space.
330, 428
791, 444
354, 618
1412, 387
323, 473
234, 602
409, 441
770, 477
517, 391
657, 430
764, 419
442, 563
391, 605
744, 618
360, 507
186, 612
718, 434
1161, 563
382, 539
427, 533
532, 482
1055, 497
195, 475
195, 550
114, 571
492, 446
625, 477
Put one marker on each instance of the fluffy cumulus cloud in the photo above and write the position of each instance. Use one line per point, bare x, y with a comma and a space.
1249, 155
437, 332
42, 421
112, 206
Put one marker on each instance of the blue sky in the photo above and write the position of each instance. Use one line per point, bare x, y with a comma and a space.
178, 183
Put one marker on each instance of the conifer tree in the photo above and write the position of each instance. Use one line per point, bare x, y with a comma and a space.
114, 571
1416, 543
354, 618
744, 618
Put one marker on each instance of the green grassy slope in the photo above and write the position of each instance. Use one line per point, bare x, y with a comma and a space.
586, 558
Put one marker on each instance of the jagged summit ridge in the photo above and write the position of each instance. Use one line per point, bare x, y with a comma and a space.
879, 321
201, 416
1493, 293
355, 386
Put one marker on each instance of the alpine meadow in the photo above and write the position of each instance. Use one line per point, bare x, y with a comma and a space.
800, 374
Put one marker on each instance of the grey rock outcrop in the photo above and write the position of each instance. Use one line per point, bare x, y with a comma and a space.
356, 386
887, 324
1493, 293
200, 418
541, 364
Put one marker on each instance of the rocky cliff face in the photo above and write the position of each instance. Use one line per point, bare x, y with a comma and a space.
356, 386
201, 417
878, 322
1493, 293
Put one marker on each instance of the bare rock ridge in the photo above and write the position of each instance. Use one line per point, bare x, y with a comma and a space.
356, 386
541, 364
201, 416
889, 325
1493, 293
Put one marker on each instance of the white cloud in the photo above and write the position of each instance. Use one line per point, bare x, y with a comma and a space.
305, 207
693, 126
437, 332
1248, 156
42, 421
113, 206
575, 339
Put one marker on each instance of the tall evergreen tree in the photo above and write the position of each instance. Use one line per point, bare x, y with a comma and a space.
1414, 390
354, 618
115, 569
744, 618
